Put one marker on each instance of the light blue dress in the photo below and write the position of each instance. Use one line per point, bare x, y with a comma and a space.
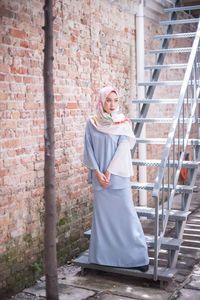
117, 238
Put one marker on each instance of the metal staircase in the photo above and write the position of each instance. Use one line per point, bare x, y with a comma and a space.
175, 146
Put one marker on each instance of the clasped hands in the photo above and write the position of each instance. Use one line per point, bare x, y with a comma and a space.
103, 179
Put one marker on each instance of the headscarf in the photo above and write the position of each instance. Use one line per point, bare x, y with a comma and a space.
115, 123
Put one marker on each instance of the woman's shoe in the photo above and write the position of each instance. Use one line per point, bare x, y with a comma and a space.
142, 268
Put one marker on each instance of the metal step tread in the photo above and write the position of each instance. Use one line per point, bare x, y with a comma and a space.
162, 101
157, 162
160, 120
175, 35
166, 82
182, 8
162, 141
172, 50
148, 186
170, 66
174, 215
183, 21
167, 242
165, 274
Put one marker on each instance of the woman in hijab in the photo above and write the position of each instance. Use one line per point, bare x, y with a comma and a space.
117, 238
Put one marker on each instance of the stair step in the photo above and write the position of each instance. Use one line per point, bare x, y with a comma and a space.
182, 8
162, 101
156, 163
183, 21
193, 243
162, 141
168, 243
160, 120
192, 230
192, 226
172, 50
152, 120
164, 274
175, 35
170, 66
188, 236
189, 249
174, 215
148, 186
156, 83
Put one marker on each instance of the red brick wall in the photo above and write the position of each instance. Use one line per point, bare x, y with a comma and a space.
91, 49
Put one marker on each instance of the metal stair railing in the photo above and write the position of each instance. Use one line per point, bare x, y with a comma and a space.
177, 136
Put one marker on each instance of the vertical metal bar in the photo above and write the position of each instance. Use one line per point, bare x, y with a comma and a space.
168, 186
194, 153
195, 89
173, 161
187, 103
183, 148
182, 201
191, 90
156, 60
178, 155
163, 201
156, 233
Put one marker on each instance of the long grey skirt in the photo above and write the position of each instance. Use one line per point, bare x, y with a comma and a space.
117, 237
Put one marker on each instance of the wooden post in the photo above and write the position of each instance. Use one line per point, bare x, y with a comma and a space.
49, 168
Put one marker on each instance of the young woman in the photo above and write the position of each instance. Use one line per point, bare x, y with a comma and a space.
117, 238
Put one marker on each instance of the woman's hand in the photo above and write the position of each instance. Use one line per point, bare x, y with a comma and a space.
108, 174
102, 179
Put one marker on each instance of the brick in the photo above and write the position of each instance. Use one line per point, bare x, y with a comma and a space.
2, 77
16, 115
40, 174
11, 143
38, 122
19, 70
8, 124
31, 105
17, 33
4, 68
3, 96
27, 177
24, 44
7, 13
72, 105
3, 172
4, 220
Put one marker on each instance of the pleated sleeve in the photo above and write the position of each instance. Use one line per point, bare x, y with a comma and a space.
89, 157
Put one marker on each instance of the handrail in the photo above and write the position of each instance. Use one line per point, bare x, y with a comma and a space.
170, 146
177, 114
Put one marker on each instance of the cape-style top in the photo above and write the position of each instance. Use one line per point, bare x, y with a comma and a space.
100, 149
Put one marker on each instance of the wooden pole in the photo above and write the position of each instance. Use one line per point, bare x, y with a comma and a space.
49, 168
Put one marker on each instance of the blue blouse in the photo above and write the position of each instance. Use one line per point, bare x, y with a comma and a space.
99, 150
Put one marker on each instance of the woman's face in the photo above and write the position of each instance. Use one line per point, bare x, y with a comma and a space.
111, 103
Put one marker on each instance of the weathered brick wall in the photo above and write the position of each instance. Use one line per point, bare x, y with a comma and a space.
92, 42
91, 49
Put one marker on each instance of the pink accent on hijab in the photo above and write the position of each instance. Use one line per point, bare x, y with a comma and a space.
115, 123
